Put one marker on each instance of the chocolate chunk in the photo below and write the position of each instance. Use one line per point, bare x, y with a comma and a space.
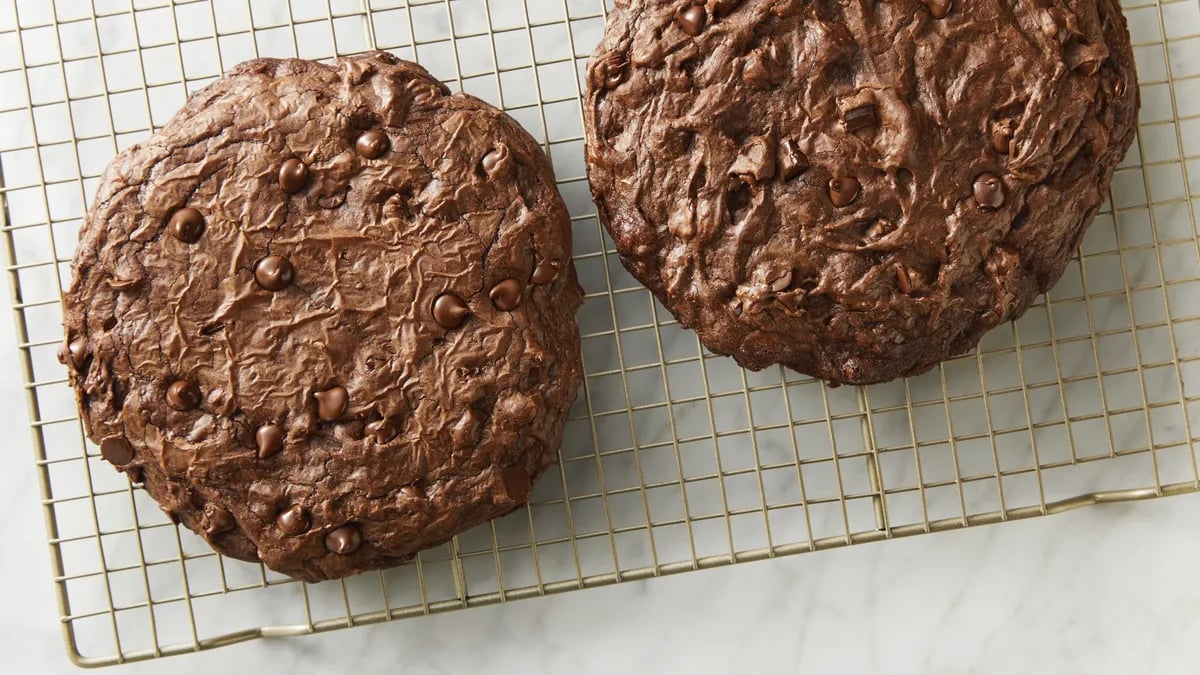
332, 403
860, 118
372, 144
269, 438
989, 191
691, 19
186, 225
449, 311
183, 396
545, 272
274, 273
344, 540
506, 295
844, 190
517, 484
116, 450
293, 176
293, 520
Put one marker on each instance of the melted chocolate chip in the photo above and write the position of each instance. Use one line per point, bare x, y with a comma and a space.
274, 273
183, 396
116, 450
938, 9
293, 520
506, 295
269, 438
449, 311
372, 144
545, 272
344, 540
494, 158
792, 162
989, 191
332, 403
384, 430
1002, 141
517, 484
691, 19
413, 492
217, 520
186, 225
77, 352
782, 283
844, 190
293, 175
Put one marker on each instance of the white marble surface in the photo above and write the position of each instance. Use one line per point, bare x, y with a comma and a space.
1112, 589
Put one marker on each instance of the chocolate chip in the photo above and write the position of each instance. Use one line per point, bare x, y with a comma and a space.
449, 311
792, 162
1002, 140
860, 118
609, 70
517, 484
989, 191
902, 279
782, 283
506, 295
274, 273
413, 492
269, 438
545, 272
938, 9
344, 540
293, 520
332, 403
844, 190
183, 396
77, 351
186, 225
292, 176
372, 144
217, 520
691, 19
385, 429
494, 158
116, 450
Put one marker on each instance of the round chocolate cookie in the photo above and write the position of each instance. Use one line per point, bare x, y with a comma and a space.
856, 189
327, 315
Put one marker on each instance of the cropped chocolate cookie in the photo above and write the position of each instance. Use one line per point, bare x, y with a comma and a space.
327, 315
854, 189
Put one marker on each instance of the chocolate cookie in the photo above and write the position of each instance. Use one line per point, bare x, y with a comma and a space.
327, 315
855, 189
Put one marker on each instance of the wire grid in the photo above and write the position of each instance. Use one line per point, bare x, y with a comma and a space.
674, 459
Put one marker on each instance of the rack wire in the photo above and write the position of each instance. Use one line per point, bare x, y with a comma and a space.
674, 459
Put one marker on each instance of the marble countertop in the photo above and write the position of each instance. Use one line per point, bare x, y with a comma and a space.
1108, 589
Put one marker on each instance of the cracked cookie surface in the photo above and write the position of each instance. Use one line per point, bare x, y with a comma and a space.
856, 189
326, 316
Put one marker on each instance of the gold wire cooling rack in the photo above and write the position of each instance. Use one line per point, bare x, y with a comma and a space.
674, 459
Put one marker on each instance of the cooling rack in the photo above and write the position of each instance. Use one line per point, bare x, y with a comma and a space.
674, 459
